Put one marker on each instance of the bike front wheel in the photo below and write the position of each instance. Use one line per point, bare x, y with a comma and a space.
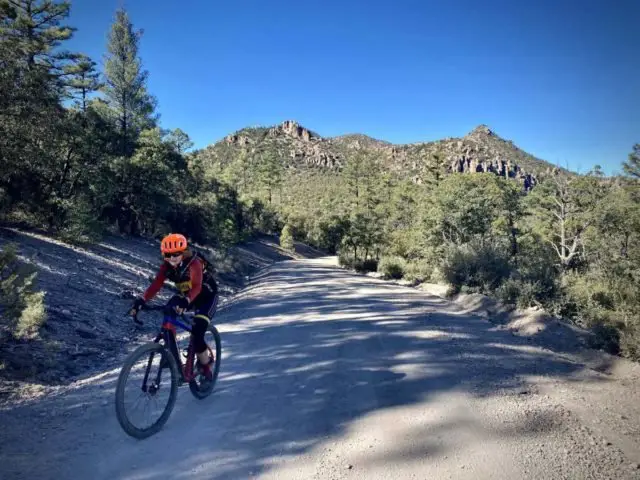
141, 388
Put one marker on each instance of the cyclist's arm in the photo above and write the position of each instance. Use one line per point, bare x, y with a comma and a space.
157, 284
195, 275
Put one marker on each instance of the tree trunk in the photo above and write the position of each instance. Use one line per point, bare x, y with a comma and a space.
123, 146
514, 240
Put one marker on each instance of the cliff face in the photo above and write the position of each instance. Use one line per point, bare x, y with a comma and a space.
481, 150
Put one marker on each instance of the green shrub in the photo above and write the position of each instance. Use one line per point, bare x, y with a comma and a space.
22, 311
538, 273
418, 271
365, 266
630, 342
32, 317
521, 293
286, 238
608, 308
81, 226
509, 292
392, 267
606, 337
480, 269
345, 259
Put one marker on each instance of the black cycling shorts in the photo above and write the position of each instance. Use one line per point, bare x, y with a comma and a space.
204, 306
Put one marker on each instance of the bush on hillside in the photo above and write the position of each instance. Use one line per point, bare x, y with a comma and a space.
630, 342
392, 267
605, 337
81, 226
345, 260
418, 271
286, 238
608, 309
537, 273
519, 293
480, 269
22, 311
366, 266
359, 265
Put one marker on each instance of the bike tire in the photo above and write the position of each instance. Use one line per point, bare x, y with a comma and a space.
135, 356
195, 389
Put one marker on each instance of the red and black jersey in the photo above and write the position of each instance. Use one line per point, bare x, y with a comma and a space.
188, 277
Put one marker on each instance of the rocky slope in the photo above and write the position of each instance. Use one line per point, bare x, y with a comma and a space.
482, 150
88, 291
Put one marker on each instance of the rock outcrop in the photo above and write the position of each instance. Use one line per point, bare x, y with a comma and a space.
236, 139
292, 129
480, 151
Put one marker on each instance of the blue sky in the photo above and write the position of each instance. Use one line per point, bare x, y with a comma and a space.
560, 78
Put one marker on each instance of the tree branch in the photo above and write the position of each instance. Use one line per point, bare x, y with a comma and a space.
555, 247
48, 19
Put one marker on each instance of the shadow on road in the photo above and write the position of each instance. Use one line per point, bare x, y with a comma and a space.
308, 350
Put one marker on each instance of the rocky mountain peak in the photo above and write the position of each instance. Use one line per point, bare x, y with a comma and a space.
293, 129
481, 130
480, 151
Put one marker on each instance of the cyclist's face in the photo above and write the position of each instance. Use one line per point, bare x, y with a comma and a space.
174, 260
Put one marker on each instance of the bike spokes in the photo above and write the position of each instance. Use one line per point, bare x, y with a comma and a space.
147, 386
145, 394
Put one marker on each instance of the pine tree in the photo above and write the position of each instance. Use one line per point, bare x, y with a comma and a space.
434, 170
286, 238
32, 121
270, 172
125, 85
180, 140
82, 79
33, 29
366, 194
632, 166
354, 173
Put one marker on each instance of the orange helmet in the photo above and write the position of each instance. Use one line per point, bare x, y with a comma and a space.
173, 243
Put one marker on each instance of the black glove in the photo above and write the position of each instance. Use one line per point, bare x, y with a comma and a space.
137, 305
179, 301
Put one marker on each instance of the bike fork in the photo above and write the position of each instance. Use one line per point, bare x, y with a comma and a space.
145, 388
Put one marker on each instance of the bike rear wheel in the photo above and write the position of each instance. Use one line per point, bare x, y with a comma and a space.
148, 384
199, 387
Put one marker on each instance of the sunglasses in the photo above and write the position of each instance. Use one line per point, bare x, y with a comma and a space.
173, 255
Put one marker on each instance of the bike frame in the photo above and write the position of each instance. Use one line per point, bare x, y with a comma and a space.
168, 334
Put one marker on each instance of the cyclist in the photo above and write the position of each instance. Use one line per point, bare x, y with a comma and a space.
192, 274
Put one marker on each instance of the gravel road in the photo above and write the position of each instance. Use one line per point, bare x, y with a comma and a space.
330, 375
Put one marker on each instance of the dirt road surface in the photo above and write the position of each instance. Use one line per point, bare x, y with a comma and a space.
331, 375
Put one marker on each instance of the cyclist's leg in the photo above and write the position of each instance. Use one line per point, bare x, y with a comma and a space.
204, 310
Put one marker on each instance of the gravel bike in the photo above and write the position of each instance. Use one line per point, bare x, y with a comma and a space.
151, 386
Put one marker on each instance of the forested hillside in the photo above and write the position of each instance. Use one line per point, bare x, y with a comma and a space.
82, 153
475, 212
